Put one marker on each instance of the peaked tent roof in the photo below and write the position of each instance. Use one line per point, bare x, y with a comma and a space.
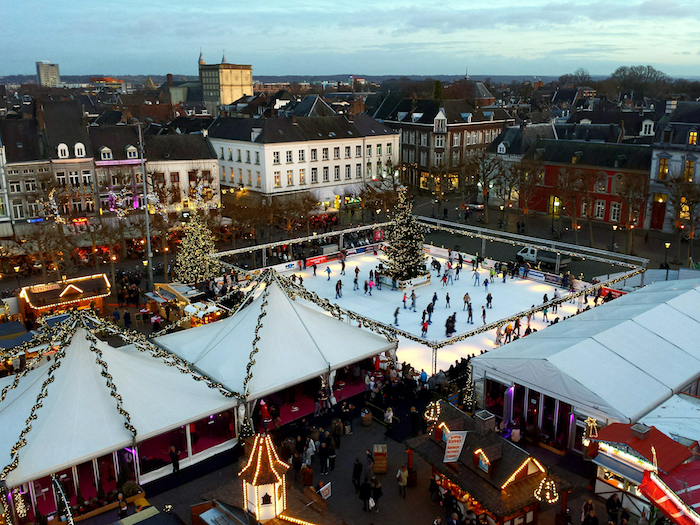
297, 343
679, 417
643, 344
79, 419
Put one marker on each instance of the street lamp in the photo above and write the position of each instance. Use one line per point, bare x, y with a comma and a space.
17, 268
667, 245
614, 230
500, 223
165, 259
112, 259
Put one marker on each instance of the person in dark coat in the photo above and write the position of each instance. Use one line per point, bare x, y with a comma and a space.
590, 518
612, 505
296, 464
357, 474
365, 494
376, 493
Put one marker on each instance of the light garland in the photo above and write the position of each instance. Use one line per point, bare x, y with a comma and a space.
195, 262
483, 455
432, 414
54, 209
519, 470
20, 506
64, 499
547, 491
626, 457
296, 521
24, 293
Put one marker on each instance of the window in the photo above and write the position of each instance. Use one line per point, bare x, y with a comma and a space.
379, 167
601, 185
347, 172
30, 185
663, 169
358, 171
106, 154
62, 151
79, 150
15, 186
439, 141
174, 178
455, 158
336, 153
369, 150
412, 138
131, 153
74, 178
302, 156
539, 181
336, 173
247, 157
17, 209
358, 151
33, 209
250, 178
238, 155
379, 149
388, 149
325, 153
440, 125
647, 128
87, 177
89, 204
314, 175
259, 183
693, 138
314, 155
257, 158
369, 169
222, 177
424, 139
423, 158
278, 181
599, 210
467, 139
326, 176
290, 177
615, 211
276, 157
584, 209
474, 136
230, 155
302, 176
347, 152
439, 159
222, 154
689, 170
290, 159
455, 140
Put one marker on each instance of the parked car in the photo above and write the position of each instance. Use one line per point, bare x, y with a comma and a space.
547, 259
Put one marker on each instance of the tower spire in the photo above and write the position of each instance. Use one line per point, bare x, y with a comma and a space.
223, 57
201, 57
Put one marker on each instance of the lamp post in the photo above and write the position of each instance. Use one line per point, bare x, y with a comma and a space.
149, 254
613, 242
165, 262
667, 245
17, 269
500, 222
112, 259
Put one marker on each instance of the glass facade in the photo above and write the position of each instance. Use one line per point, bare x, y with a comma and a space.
212, 431
154, 453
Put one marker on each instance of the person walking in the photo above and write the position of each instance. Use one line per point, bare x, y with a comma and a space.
470, 318
466, 300
323, 457
332, 455
389, 422
376, 493
396, 316
447, 300
413, 300
175, 459
357, 474
296, 464
328, 271
402, 479
127, 319
483, 314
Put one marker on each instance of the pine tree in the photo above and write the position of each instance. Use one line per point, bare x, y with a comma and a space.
194, 263
405, 258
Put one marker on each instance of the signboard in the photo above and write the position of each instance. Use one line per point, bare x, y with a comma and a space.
378, 235
39, 288
325, 492
552, 279
613, 293
535, 275
310, 261
454, 446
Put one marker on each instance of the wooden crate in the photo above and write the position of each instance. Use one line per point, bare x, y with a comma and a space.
379, 453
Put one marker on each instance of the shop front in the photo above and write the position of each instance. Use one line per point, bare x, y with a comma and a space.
62, 296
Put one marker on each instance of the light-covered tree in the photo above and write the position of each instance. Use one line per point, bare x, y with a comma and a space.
194, 263
405, 257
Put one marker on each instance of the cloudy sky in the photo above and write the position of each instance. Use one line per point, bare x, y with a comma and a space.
496, 37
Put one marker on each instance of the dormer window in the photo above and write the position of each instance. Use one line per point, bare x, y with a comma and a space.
440, 125
131, 152
62, 150
501, 148
481, 461
79, 150
105, 153
693, 138
648, 127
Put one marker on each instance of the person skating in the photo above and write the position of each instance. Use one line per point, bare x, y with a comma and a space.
477, 278
544, 315
314, 266
404, 300
371, 285
470, 318
486, 285
355, 286
328, 271
554, 306
424, 328
342, 267
366, 287
466, 300
483, 314
413, 300
429, 309
489, 299
435, 298
396, 316
447, 300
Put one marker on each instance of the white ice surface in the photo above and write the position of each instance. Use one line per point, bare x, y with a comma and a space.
510, 298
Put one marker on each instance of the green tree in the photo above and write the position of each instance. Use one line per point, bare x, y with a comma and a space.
405, 257
194, 263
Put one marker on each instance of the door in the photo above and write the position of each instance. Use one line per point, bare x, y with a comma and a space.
658, 214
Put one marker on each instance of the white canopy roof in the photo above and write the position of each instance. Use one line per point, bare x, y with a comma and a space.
296, 343
678, 417
79, 420
618, 360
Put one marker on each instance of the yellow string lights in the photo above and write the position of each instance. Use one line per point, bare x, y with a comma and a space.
520, 468
547, 491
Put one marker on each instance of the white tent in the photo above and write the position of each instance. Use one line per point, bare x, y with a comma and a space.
79, 420
617, 361
296, 343
679, 417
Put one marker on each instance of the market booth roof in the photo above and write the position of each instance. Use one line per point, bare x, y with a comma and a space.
66, 292
643, 343
79, 419
679, 417
296, 343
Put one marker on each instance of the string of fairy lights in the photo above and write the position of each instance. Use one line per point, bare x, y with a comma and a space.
62, 497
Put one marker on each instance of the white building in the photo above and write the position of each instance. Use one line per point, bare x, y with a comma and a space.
331, 156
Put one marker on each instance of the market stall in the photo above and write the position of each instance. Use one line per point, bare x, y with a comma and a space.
61, 296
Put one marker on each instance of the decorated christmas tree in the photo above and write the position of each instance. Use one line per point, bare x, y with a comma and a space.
193, 262
405, 258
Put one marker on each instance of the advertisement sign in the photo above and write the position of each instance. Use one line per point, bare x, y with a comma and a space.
378, 235
310, 261
455, 443
552, 279
326, 491
535, 275
613, 293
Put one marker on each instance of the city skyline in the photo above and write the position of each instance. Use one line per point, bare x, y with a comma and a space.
367, 39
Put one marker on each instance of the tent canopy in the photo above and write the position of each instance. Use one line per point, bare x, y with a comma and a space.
296, 343
679, 417
641, 344
79, 420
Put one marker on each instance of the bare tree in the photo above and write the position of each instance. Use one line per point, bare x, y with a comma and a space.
507, 181
681, 192
484, 169
570, 189
634, 193
527, 174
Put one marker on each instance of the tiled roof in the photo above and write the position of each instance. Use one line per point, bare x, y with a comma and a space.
669, 453
64, 124
116, 138
177, 147
605, 155
78, 289
457, 111
21, 140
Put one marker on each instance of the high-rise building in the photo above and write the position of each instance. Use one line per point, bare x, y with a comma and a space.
47, 74
223, 83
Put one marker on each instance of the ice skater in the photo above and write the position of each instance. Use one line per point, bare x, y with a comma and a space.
396, 316
328, 271
342, 267
466, 300
470, 318
371, 285
483, 314
435, 298
424, 329
339, 289
413, 300
429, 309
355, 286
447, 300
366, 287
544, 315
457, 272
404, 300
554, 306
489, 298
486, 285
477, 279
450, 279
314, 267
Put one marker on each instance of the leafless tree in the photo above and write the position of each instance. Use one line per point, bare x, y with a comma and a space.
682, 193
570, 190
634, 193
484, 170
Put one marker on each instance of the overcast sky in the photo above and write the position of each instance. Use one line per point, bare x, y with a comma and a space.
314, 37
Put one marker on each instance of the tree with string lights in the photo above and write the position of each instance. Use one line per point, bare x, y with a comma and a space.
405, 257
194, 263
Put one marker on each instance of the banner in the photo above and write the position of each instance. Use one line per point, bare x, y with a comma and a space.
454, 446
326, 491
613, 293
310, 261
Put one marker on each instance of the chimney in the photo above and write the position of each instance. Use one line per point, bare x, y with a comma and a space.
485, 422
640, 431
170, 79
